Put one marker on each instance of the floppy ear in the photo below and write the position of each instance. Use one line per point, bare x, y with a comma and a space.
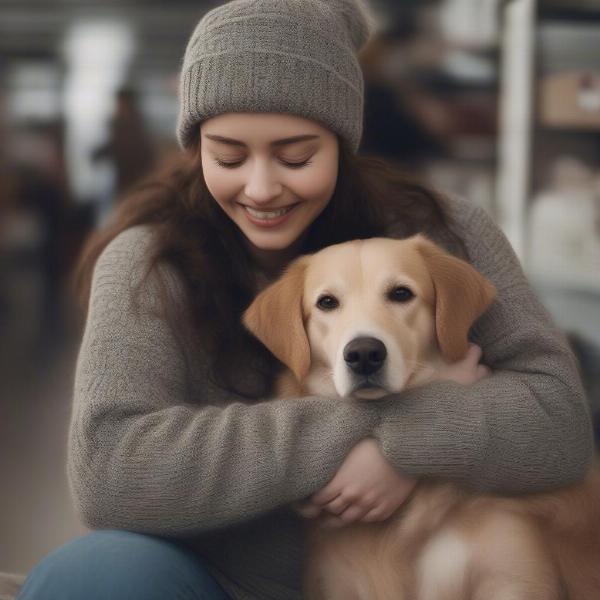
275, 318
462, 295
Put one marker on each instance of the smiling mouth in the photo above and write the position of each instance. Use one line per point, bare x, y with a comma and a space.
269, 214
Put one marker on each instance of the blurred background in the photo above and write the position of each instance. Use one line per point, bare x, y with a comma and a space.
498, 101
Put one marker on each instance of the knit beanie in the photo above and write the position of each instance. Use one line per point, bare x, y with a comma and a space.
285, 56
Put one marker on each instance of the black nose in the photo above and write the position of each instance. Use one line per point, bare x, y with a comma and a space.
365, 355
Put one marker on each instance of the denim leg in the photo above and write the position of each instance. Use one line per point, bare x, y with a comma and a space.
111, 564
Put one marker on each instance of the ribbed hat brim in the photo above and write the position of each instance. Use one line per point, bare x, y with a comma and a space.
271, 82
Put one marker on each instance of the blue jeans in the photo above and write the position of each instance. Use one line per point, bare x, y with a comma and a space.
113, 564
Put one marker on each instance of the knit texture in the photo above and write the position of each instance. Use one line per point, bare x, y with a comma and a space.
155, 448
283, 56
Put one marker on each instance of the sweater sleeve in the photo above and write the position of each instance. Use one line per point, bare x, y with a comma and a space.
142, 457
527, 426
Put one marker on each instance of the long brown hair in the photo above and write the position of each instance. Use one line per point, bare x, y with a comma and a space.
206, 247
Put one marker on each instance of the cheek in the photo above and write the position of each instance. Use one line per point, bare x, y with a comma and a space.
425, 325
320, 185
419, 327
319, 334
409, 329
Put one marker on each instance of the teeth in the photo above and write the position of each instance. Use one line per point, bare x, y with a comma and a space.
261, 214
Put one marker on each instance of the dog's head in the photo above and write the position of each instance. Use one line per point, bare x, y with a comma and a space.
361, 318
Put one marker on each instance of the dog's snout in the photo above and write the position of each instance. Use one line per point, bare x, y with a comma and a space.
365, 355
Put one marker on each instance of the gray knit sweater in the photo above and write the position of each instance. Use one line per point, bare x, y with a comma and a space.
155, 448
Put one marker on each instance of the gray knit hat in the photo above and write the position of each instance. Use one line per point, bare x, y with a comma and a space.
286, 56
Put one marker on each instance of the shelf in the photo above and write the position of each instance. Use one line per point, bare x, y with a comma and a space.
586, 15
442, 82
567, 129
571, 278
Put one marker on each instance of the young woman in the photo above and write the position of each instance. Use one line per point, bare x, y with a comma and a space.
196, 481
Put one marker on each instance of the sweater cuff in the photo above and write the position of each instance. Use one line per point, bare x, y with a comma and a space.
434, 431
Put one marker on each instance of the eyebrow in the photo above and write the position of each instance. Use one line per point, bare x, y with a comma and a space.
283, 142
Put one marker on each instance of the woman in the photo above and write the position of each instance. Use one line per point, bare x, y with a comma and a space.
197, 481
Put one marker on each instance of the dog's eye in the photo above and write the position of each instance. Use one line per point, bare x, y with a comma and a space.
327, 302
401, 294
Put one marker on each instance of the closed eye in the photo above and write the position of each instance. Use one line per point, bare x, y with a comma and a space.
291, 165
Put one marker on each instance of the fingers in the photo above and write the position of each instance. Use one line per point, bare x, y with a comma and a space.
338, 505
324, 496
482, 371
337, 513
352, 514
474, 353
344, 513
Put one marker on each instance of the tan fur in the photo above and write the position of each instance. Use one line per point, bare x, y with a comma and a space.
280, 310
462, 295
444, 543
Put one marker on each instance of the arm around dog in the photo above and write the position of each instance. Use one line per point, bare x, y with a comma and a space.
143, 457
525, 428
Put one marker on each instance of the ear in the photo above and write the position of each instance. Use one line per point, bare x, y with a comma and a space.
275, 318
462, 295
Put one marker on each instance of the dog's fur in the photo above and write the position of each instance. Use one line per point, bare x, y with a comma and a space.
444, 543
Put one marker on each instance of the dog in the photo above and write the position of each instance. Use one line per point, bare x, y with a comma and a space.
368, 318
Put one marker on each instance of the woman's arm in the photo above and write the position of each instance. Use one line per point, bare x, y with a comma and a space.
526, 427
142, 457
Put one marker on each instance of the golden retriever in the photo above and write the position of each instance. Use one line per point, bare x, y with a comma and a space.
365, 319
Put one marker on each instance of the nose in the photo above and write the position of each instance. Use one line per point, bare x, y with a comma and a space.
365, 355
261, 187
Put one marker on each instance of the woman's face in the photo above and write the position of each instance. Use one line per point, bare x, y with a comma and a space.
271, 173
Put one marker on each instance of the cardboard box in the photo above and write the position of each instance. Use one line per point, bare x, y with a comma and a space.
570, 100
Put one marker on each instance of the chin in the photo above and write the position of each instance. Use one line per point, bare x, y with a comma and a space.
272, 241
369, 394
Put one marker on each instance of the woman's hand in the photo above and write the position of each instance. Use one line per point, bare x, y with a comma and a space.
365, 488
467, 370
